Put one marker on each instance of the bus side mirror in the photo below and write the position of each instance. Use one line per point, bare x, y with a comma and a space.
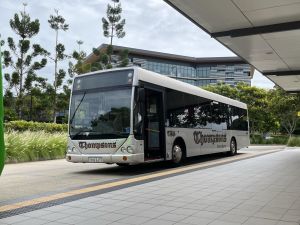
141, 95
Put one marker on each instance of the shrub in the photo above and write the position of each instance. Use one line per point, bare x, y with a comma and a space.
278, 139
21, 125
34, 146
294, 142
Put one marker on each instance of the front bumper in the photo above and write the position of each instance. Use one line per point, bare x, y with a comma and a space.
106, 158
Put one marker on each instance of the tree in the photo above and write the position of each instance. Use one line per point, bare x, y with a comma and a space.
57, 23
261, 116
113, 25
286, 107
102, 62
24, 59
79, 67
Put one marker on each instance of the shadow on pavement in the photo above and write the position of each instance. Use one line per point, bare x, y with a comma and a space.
134, 170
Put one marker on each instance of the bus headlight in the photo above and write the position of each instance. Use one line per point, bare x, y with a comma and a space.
71, 150
129, 149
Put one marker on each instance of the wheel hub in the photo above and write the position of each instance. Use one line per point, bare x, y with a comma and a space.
177, 154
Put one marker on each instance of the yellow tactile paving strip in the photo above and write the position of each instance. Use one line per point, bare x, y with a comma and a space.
63, 195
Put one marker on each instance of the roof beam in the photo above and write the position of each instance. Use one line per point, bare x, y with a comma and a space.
282, 73
258, 30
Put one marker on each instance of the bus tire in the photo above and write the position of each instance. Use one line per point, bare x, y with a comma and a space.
178, 152
233, 147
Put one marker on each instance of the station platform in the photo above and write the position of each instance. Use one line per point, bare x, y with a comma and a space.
250, 189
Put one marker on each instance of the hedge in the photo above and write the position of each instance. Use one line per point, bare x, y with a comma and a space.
278, 140
294, 142
21, 125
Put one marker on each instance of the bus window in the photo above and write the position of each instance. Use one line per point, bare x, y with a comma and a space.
238, 120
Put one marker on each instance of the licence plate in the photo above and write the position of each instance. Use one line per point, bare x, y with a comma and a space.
95, 159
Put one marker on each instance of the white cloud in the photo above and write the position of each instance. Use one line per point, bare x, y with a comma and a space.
261, 81
151, 25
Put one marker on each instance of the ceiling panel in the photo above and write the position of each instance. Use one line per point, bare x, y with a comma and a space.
293, 63
251, 47
280, 14
273, 51
228, 16
289, 83
250, 5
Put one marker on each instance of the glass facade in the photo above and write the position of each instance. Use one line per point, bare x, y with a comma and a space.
195, 73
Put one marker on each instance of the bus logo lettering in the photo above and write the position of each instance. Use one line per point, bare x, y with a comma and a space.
85, 145
200, 138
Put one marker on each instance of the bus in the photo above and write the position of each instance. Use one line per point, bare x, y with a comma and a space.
131, 115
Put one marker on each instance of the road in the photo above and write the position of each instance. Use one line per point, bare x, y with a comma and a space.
30, 180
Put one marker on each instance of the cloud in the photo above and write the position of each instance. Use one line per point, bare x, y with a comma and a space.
151, 25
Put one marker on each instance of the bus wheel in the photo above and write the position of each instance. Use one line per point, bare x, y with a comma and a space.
177, 153
233, 147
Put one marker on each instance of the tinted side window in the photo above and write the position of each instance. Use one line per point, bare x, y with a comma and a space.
203, 115
188, 111
175, 108
238, 119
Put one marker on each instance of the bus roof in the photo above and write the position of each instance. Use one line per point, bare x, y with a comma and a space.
171, 83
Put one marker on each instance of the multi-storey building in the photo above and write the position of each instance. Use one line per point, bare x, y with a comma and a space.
195, 71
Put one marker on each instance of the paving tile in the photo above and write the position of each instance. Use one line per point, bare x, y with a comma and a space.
94, 222
233, 218
220, 222
52, 216
159, 222
112, 216
196, 220
259, 221
183, 211
207, 214
14, 219
151, 213
268, 215
135, 220
72, 219
172, 217
287, 223
290, 218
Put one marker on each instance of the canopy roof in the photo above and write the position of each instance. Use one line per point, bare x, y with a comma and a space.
266, 33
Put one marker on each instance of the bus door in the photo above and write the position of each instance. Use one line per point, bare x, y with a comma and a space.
154, 125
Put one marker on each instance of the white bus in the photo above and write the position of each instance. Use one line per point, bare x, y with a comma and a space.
131, 115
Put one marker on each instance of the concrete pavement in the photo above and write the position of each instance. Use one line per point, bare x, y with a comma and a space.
260, 190
30, 180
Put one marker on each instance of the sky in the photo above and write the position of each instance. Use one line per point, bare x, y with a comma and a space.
151, 25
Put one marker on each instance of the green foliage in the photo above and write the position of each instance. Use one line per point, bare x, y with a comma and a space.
33, 146
113, 25
103, 59
278, 139
21, 125
23, 58
294, 142
261, 116
79, 67
286, 107
57, 23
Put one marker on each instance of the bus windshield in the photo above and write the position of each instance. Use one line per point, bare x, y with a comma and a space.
100, 113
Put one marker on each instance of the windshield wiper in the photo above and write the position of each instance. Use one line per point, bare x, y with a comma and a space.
80, 132
71, 120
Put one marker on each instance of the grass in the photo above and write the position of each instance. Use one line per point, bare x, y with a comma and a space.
294, 142
278, 140
34, 146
